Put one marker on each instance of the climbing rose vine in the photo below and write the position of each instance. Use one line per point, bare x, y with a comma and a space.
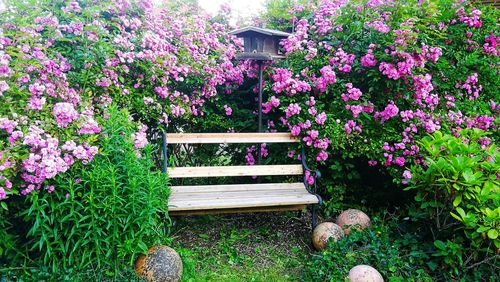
63, 62
370, 78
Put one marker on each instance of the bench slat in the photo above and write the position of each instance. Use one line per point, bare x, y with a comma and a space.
249, 196
237, 194
235, 187
257, 201
220, 138
219, 171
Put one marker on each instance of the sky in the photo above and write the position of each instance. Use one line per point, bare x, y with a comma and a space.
240, 8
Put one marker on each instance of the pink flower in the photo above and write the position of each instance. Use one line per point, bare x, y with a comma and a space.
177, 110
89, 127
292, 109
407, 175
140, 138
295, 130
275, 102
7, 124
309, 178
321, 156
368, 60
389, 70
379, 26
228, 110
321, 118
351, 126
266, 108
64, 113
3, 87
327, 77
400, 161
391, 110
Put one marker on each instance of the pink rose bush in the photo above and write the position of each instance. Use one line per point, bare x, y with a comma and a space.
373, 91
60, 69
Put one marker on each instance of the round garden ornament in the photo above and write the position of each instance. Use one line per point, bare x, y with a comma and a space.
352, 217
364, 273
162, 264
323, 232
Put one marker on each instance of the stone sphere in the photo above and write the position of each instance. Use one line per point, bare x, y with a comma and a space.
364, 273
323, 232
352, 217
162, 264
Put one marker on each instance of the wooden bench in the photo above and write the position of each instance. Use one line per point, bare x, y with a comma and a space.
238, 198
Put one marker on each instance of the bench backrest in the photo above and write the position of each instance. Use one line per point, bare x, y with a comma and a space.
223, 138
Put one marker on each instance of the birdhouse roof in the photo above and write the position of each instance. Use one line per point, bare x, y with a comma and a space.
265, 31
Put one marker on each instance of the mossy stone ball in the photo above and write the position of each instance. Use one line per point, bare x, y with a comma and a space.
352, 217
364, 273
323, 232
162, 264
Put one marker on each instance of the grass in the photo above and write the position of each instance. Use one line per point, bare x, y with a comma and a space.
250, 247
241, 247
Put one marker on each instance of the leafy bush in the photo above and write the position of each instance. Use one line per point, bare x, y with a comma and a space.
402, 259
458, 191
103, 214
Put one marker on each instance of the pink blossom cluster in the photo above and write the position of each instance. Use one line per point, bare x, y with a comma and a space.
351, 126
50, 125
423, 87
327, 77
342, 60
228, 110
64, 114
140, 138
471, 19
379, 26
284, 83
391, 110
292, 109
491, 46
273, 103
369, 60
471, 86
250, 158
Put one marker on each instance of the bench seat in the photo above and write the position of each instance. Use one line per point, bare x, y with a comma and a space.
232, 198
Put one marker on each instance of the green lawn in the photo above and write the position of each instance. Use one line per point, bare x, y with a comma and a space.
251, 247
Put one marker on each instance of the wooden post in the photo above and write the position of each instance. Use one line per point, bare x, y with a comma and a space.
260, 111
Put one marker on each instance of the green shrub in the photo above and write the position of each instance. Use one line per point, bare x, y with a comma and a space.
397, 260
458, 191
102, 215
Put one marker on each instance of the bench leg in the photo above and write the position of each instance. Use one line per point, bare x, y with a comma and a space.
314, 215
170, 223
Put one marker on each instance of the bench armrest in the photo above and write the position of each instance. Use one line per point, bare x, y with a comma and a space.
315, 173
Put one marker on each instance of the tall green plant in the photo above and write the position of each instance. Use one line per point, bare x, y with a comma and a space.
103, 214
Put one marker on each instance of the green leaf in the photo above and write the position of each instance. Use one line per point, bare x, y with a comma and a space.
468, 175
493, 234
440, 244
457, 201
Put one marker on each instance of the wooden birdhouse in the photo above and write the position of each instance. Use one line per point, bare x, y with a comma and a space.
260, 44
